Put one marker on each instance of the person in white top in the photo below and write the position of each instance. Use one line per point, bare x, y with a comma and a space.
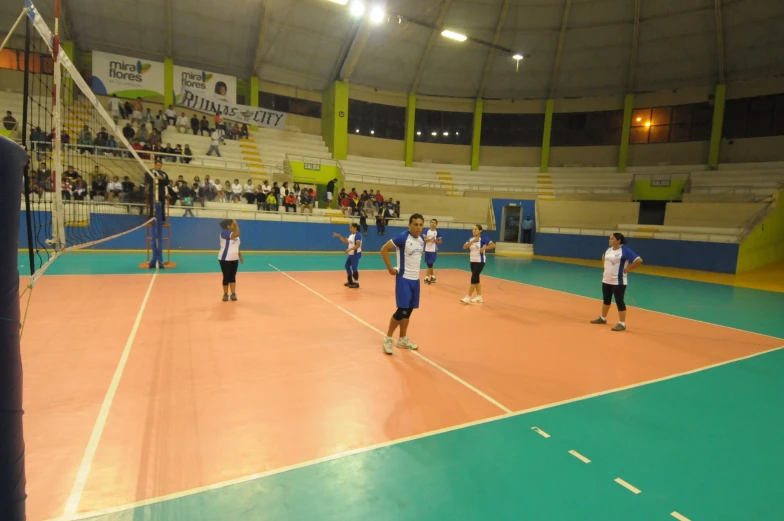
354, 252
230, 256
183, 123
114, 108
618, 260
432, 239
477, 246
247, 192
171, 115
409, 247
114, 189
236, 191
215, 140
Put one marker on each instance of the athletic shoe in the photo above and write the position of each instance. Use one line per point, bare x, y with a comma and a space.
354, 285
465, 300
234, 297
225, 297
427, 281
432, 280
478, 299
598, 321
405, 343
387, 345
347, 284
619, 327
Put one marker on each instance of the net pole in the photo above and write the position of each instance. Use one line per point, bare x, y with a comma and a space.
12, 448
25, 125
58, 209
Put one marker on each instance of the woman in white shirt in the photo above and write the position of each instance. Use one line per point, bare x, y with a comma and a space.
114, 189
618, 260
248, 192
229, 256
219, 195
477, 246
236, 191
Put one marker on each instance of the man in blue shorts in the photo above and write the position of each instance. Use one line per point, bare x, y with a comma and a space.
409, 247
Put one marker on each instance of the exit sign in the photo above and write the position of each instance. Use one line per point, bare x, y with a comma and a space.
312, 166
660, 182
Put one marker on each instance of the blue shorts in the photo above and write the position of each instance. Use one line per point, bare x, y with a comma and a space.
430, 257
406, 293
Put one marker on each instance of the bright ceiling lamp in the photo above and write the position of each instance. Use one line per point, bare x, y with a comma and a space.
377, 15
517, 57
453, 35
357, 9
341, 2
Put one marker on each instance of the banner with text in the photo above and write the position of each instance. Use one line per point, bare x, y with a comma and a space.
126, 76
208, 84
240, 113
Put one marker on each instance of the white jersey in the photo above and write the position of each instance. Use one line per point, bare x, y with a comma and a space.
409, 255
615, 261
353, 239
229, 248
475, 254
432, 246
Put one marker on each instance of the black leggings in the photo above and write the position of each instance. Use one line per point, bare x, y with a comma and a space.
609, 291
476, 269
229, 269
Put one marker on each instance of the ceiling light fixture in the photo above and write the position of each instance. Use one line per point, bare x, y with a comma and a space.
435, 133
357, 9
377, 15
453, 35
517, 58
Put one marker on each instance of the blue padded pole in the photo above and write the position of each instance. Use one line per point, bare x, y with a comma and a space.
12, 447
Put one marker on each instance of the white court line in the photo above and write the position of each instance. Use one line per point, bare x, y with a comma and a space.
540, 432
679, 517
579, 456
374, 328
236, 481
637, 307
628, 486
72, 504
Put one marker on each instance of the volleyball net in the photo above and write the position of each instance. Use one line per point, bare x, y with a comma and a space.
80, 183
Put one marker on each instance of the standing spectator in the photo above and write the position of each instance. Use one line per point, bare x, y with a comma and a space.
215, 141
115, 108
330, 191
528, 225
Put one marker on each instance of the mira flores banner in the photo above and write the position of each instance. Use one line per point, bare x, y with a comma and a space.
126, 76
194, 100
207, 84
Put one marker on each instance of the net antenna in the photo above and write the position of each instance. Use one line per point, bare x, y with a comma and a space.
72, 212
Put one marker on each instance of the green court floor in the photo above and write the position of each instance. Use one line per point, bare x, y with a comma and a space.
706, 446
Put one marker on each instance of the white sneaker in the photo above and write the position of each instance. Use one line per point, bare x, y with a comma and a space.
387, 344
478, 299
405, 343
465, 300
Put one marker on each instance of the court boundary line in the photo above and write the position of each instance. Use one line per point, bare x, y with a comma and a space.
398, 441
75, 497
636, 307
416, 353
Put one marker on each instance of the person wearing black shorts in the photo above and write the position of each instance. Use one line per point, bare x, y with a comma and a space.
618, 260
230, 256
477, 246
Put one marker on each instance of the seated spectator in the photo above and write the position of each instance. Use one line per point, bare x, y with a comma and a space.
187, 155
291, 202
128, 188
99, 186
148, 118
272, 203
43, 179
79, 189
171, 116
9, 122
128, 132
114, 190
247, 192
155, 137
345, 205
65, 187
236, 191
204, 126
143, 136
235, 132
183, 123
220, 196
160, 122
195, 124
85, 141
306, 200
244, 133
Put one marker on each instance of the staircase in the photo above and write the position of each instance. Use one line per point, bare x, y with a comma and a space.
252, 157
513, 249
544, 186
448, 182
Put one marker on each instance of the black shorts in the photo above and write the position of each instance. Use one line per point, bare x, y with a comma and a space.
229, 269
614, 290
476, 269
